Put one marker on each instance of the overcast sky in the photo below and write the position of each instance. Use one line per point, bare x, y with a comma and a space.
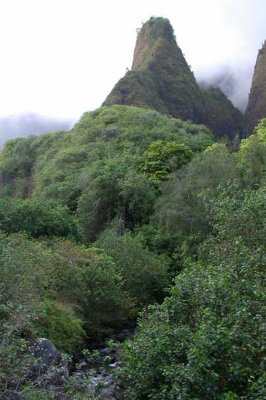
60, 58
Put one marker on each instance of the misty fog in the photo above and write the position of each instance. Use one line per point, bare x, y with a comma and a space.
19, 125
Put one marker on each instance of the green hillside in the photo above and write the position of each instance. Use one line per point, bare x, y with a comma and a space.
105, 145
222, 117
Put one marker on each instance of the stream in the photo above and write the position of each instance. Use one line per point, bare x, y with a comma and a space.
96, 368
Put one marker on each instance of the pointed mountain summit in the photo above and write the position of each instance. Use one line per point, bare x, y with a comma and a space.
161, 79
256, 108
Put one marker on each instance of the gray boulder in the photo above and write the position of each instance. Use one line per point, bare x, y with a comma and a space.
50, 367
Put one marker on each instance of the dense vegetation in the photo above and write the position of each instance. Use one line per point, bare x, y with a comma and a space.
222, 117
207, 339
132, 211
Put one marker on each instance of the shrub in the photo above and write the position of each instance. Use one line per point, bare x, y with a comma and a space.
161, 158
37, 218
58, 323
144, 274
89, 279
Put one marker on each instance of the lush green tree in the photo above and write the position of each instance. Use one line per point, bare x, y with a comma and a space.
89, 280
115, 189
58, 322
37, 218
38, 282
17, 156
16, 164
161, 158
144, 274
181, 211
252, 156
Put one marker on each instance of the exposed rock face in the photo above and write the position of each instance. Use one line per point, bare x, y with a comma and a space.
161, 79
256, 108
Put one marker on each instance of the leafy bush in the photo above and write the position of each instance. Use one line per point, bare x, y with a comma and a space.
180, 212
90, 280
252, 156
37, 218
58, 323
144, 274
162, 158
115, 190
22, 282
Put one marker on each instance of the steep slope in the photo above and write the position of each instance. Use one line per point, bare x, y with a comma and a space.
256, 108
222, 117
161, 79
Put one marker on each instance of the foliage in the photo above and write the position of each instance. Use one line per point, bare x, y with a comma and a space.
204, 226
22, 286
58, 323
222, 117
252, 156
115, 190
37, 218
16, 163
144, 274
206, 340
180, 211
19, 151
59, 162
162, 158
38, 282
89, 279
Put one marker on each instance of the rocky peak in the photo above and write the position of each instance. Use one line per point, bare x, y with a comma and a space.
161, 79
150, 36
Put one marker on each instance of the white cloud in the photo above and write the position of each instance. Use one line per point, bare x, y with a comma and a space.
62, 57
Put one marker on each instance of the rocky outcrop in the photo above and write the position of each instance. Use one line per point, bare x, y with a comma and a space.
256, 108
50, 367
161, 79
